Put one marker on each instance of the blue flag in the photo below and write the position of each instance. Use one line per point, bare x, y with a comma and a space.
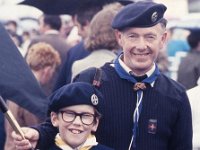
17, 83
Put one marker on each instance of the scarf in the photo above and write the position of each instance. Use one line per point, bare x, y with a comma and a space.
90, 142
138, 87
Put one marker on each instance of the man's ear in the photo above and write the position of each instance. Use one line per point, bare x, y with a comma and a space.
54, 119
163, 40
118, 36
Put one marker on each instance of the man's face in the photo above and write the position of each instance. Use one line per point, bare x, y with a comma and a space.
74, 133
141, 47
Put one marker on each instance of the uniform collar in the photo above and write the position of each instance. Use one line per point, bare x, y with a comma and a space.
128, 70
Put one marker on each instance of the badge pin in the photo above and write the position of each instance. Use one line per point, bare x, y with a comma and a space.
154, 16
152, 126
94, 99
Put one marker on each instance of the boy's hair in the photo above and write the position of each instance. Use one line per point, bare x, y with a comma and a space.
41, 55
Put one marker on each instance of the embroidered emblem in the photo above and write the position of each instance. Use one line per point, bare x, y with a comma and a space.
94, 99
154, 16
96, 83
139, 85
152, 126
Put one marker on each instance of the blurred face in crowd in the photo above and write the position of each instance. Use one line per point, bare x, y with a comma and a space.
41, 24
141, 46
73, 129
47, 74
82, 29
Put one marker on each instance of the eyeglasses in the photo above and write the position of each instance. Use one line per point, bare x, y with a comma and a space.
70, 116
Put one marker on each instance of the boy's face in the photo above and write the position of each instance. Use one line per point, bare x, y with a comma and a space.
74, 132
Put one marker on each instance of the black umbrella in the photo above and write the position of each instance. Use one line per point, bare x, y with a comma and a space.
57, 7
17, 83
52, 7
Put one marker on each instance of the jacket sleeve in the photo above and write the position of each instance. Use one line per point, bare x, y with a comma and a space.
182, 132
47, 134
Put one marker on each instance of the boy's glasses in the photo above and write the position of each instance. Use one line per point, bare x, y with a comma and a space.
70, 116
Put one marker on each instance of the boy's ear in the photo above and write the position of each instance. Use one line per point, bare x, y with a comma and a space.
94, 128
54, 119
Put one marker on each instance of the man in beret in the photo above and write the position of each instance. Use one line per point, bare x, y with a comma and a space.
142, 108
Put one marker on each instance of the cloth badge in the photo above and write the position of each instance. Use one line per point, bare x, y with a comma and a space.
152, 126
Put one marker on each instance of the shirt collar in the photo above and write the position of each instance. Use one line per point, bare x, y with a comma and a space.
90, 141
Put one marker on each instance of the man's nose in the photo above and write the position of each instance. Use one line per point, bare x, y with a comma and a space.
141, 44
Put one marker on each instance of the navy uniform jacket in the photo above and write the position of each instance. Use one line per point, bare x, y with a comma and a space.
97, 147
166, 104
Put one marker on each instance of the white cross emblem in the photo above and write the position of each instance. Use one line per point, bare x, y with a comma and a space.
154, 16
94, 99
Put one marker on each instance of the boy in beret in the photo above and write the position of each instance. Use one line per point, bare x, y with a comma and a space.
143, 109
74, 111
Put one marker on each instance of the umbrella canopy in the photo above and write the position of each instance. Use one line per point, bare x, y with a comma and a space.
17, 83
57, 7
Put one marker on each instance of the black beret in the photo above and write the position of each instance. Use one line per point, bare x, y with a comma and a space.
76, 93
139, 14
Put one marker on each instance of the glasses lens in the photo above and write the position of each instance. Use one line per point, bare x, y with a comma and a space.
68, 116
87, 119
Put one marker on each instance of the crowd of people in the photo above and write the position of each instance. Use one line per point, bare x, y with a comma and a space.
135, 105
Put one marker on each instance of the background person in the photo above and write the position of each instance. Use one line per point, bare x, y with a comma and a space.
100, 42
189, 68
82, 19
43, 60
50, 26
193, 95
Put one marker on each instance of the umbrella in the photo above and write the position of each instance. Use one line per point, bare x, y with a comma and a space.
17, 83
57, 7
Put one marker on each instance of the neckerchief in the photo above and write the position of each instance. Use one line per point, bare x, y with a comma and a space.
90, 142
124, 75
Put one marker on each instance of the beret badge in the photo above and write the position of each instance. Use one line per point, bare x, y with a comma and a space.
94, 99
154, 16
